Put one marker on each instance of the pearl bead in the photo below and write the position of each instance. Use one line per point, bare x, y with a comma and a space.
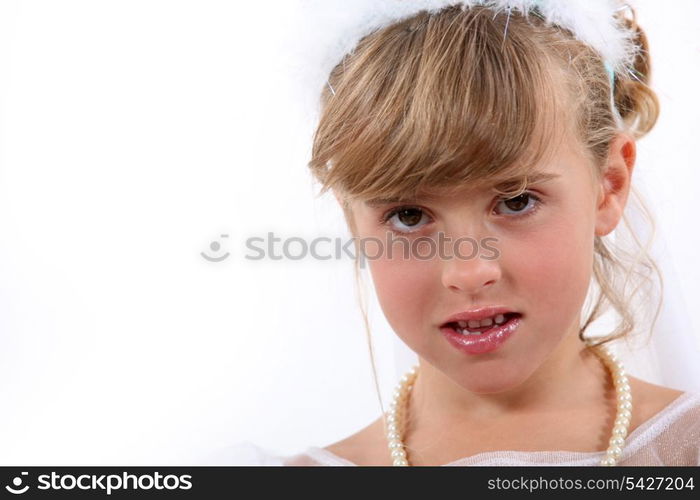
393, 436
625, 405
624, 413
621, 381
622, 421
608, 461
392, 428
624, 397
617, 441
395, 445
620, 430
398, 454
614, 452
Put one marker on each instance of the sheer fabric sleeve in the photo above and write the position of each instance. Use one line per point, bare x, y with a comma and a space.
678, 442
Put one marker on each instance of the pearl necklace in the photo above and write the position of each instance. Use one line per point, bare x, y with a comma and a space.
398, 410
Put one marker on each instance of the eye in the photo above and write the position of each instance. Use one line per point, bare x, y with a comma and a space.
522, 205
406, 219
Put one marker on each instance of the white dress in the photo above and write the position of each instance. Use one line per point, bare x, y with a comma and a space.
669, 438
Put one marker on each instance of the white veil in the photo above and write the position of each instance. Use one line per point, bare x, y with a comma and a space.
672, 357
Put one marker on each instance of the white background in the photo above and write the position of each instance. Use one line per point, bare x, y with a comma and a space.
135, 133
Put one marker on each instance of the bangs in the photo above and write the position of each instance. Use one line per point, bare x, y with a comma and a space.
439, 102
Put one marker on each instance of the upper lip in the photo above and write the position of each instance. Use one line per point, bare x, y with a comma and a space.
478, 314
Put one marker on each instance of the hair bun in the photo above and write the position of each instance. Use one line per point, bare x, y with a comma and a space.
636, 102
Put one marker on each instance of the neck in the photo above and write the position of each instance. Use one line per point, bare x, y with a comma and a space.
572, 376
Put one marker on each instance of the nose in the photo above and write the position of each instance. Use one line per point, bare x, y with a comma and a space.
473, 275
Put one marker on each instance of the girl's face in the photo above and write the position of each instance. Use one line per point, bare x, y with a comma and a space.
544, 243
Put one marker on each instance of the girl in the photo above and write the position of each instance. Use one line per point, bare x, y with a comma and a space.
482, 153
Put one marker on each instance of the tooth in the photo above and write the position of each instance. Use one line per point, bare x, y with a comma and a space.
465, 331
499, 318
473, 323
462, 323
486, 322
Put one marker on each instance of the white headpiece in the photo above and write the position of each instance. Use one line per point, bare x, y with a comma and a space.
330, 30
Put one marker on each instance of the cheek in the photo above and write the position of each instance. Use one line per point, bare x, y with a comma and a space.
403, 289
553, 266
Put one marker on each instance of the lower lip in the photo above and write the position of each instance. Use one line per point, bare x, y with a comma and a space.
486, 342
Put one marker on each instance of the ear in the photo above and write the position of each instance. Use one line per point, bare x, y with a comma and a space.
615, 183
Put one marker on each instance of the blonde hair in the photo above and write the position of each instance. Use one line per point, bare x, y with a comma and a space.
443, 100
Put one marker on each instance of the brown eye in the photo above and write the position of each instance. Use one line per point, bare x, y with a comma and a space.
409, 216
518, 205
405, 219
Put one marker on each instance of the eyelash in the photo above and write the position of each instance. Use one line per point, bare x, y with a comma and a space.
384, 219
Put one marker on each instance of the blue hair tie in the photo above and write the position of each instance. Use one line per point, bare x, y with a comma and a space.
611, 74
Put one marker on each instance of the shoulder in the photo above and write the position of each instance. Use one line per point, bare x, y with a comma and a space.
365, 447
665, 409
650, 399
667, 425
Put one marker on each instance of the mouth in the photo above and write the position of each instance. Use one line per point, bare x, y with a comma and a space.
484, 337
481, 327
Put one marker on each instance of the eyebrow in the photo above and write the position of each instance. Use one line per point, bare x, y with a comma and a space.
534, 178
